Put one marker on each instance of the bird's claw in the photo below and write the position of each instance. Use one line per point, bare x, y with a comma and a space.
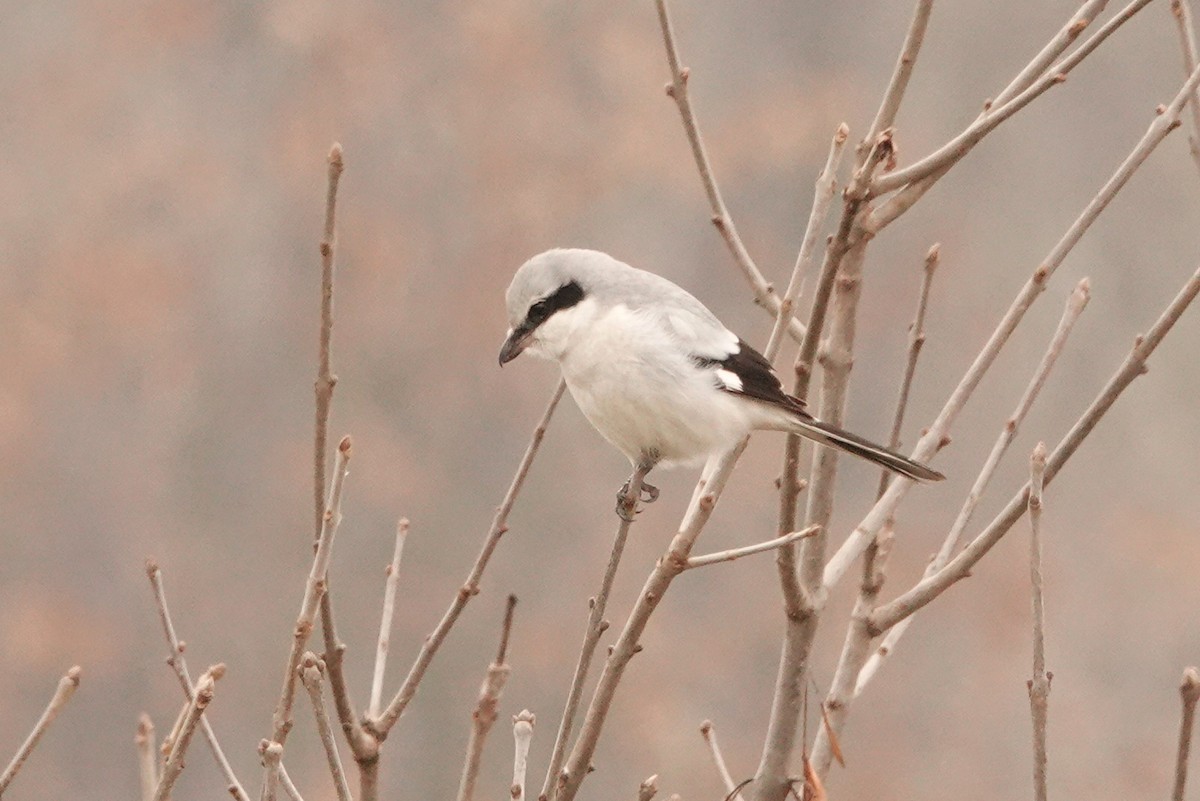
627, 506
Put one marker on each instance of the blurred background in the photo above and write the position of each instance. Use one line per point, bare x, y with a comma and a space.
162, 193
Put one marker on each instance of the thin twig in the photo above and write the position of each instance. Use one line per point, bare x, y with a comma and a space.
485, 710
596, 626
1163, 124
289, 787
1189, 693
281, 722
885, 117
272, 757
326, 380
178, 664
823, 192
312, 675
669, 565
902, 201
648, 788
385, 622
764, 294
916, 340
201, 698
747, 550
62, 693
1076, 303
522, 735
382, 725
709, 733
1039, 685
1134, 365
147, 764
1187, 43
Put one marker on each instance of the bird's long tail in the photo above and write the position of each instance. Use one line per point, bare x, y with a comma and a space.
852, 443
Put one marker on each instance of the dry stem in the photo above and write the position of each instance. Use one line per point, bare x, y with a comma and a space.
485, 710
312, 675
648, 788
179, 666
62, 693
385, 622
289, 787
383, 724
282, 721
325, 379
1187, 43
522, 735
147, 764
747, 550
596, 626
1189, 693
195, 707
709, 733
1075, 305
764, 294
1039, 685
1134, 365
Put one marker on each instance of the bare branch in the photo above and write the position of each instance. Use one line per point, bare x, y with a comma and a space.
522, 735
1189, 693
1039, 685
709, 733
596, 626
1076, 303
823, 192
903, 200
179, 665
669, 565
385, 622
648, 788
289, 787
1162, 125
1134, 365
312, 675
325, 379
200, 700
485, 710
962, 144
383, 724
272, 756
62, 693
1187, 43
885, 117
315, 587
764, 294
747, 550
147, 765
916, 340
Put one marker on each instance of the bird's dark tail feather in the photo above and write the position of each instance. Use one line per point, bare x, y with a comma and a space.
877, 454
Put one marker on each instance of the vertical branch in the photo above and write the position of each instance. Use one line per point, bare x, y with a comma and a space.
1039, 685
147, 766
885, 117
326, 380
709, 733
596, 626
380, 726
385, 622
522, 735
1189, 693
1187, 43
312, 674
916, 340
62, 693
485, 711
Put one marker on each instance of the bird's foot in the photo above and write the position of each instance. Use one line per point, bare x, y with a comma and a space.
627, 506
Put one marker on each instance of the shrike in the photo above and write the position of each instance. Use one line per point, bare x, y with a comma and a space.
653, 369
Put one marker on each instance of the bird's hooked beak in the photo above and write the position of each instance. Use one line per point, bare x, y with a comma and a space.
518, 340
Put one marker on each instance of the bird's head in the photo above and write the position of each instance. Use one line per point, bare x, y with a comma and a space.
550, 298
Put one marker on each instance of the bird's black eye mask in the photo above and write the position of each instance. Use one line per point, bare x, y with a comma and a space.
566, 296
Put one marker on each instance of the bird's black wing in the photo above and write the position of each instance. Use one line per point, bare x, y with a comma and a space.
747, 372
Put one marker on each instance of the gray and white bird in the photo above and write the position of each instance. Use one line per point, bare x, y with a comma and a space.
653, 369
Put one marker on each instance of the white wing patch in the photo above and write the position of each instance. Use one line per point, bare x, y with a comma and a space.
729, 380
